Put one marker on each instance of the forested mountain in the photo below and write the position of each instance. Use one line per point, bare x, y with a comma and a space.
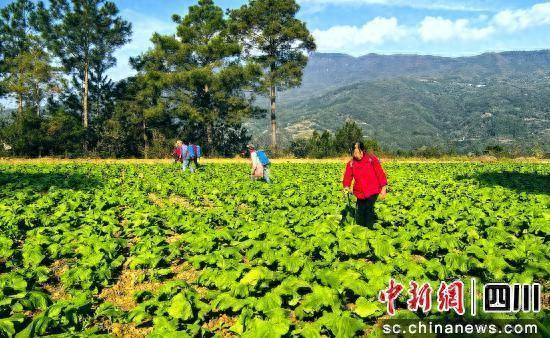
219, 80
410, 101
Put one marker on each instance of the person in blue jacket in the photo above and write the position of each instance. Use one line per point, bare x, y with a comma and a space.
196, 153
187, 157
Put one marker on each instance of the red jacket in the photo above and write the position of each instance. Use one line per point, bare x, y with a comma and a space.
367, 174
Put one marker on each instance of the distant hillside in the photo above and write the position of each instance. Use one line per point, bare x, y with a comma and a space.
407, 101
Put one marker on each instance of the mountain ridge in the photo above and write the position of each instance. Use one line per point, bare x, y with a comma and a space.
337, 87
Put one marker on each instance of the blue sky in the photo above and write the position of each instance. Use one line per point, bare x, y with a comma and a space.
357, 27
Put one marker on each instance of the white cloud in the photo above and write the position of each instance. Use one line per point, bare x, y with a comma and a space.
515, 20
440, 29
374, 32
449, 5
143, 27
379, 31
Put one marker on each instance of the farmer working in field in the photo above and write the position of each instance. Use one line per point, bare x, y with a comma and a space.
177, 151
260, 164
187, 157
370, 182
196, 153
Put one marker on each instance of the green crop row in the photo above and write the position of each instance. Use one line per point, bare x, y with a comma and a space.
214, 254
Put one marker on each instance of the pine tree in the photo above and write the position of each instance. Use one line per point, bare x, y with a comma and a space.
345, 136
32, 78
202, 77
16, 41
83, 34
275, 39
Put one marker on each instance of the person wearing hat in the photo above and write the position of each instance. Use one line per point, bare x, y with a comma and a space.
258, 170
177, 151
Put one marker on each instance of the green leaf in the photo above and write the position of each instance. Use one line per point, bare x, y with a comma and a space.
7, 327
342, 325
37, 327
253, 276
268, 302
180, 307
266, 329
5, 247
364, 308
321, 297
309, 330
32, 256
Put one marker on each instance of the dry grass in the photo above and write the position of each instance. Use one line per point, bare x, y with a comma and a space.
126, 330
156, 200
221, 325
179, 201
121, 294
172, 200
57, 292
55, 288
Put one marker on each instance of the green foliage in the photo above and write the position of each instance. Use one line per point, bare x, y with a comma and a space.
202, 77
257, 260
495, 150
345, 136
31, 135
325, 144
16, 30
26, 70
83, 34
271, 28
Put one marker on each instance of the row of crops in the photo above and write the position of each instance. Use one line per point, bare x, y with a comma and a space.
145, 250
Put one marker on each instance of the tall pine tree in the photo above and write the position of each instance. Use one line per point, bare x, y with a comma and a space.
202, 76
275, 39
83, 34
16, 42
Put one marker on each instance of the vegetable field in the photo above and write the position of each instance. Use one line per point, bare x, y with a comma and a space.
145, 250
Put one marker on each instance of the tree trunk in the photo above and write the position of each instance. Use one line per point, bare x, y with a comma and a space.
20, 104
20, 94
85, 108
85, 98
37, 99
145, 140
209, 135
272, 97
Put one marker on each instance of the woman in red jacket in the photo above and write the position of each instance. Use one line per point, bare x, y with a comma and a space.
370, 182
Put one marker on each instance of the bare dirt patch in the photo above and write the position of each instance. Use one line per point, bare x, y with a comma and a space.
126, 330
181, 201
121, 294
221, 325
54, 287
